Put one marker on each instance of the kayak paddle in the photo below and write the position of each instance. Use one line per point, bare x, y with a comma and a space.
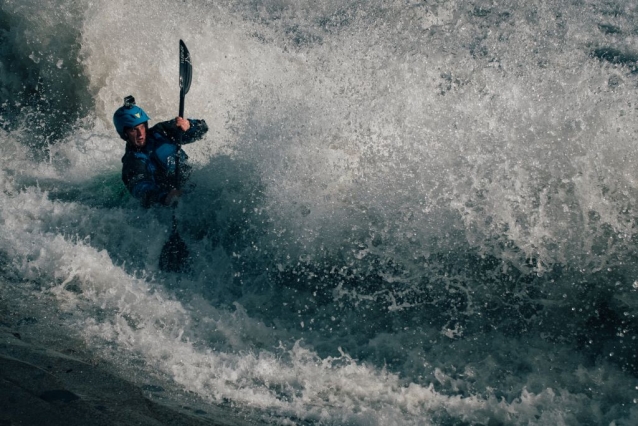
175, 256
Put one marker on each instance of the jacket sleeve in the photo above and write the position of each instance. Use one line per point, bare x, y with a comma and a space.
196, 132
170, 130
140, 182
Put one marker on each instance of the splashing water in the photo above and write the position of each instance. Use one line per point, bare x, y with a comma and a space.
405, 212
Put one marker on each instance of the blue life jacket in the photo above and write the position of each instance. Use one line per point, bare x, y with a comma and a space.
149, 173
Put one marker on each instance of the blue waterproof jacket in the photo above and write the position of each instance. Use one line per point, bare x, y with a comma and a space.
149, 173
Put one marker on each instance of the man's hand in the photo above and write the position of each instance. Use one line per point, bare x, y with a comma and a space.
183, 124
172, 197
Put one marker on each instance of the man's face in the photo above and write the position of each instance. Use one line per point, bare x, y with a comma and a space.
137, 135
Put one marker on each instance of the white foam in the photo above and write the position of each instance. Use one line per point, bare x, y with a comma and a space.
412, 131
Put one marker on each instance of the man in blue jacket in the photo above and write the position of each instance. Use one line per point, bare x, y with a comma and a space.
148, 169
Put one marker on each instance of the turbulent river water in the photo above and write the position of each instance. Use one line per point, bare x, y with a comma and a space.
404, 213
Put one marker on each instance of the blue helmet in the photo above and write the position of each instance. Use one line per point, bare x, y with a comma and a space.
129, 115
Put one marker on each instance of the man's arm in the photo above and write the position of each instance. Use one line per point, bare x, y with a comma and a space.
196, 129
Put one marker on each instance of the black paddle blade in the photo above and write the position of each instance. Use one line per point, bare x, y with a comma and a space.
175, 256
185, 68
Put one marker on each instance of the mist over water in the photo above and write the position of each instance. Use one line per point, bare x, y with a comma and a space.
405, 212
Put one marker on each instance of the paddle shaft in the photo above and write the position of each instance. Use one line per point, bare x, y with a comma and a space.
182, 95
175, 255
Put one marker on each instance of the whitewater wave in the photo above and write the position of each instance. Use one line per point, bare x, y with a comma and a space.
404, 212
